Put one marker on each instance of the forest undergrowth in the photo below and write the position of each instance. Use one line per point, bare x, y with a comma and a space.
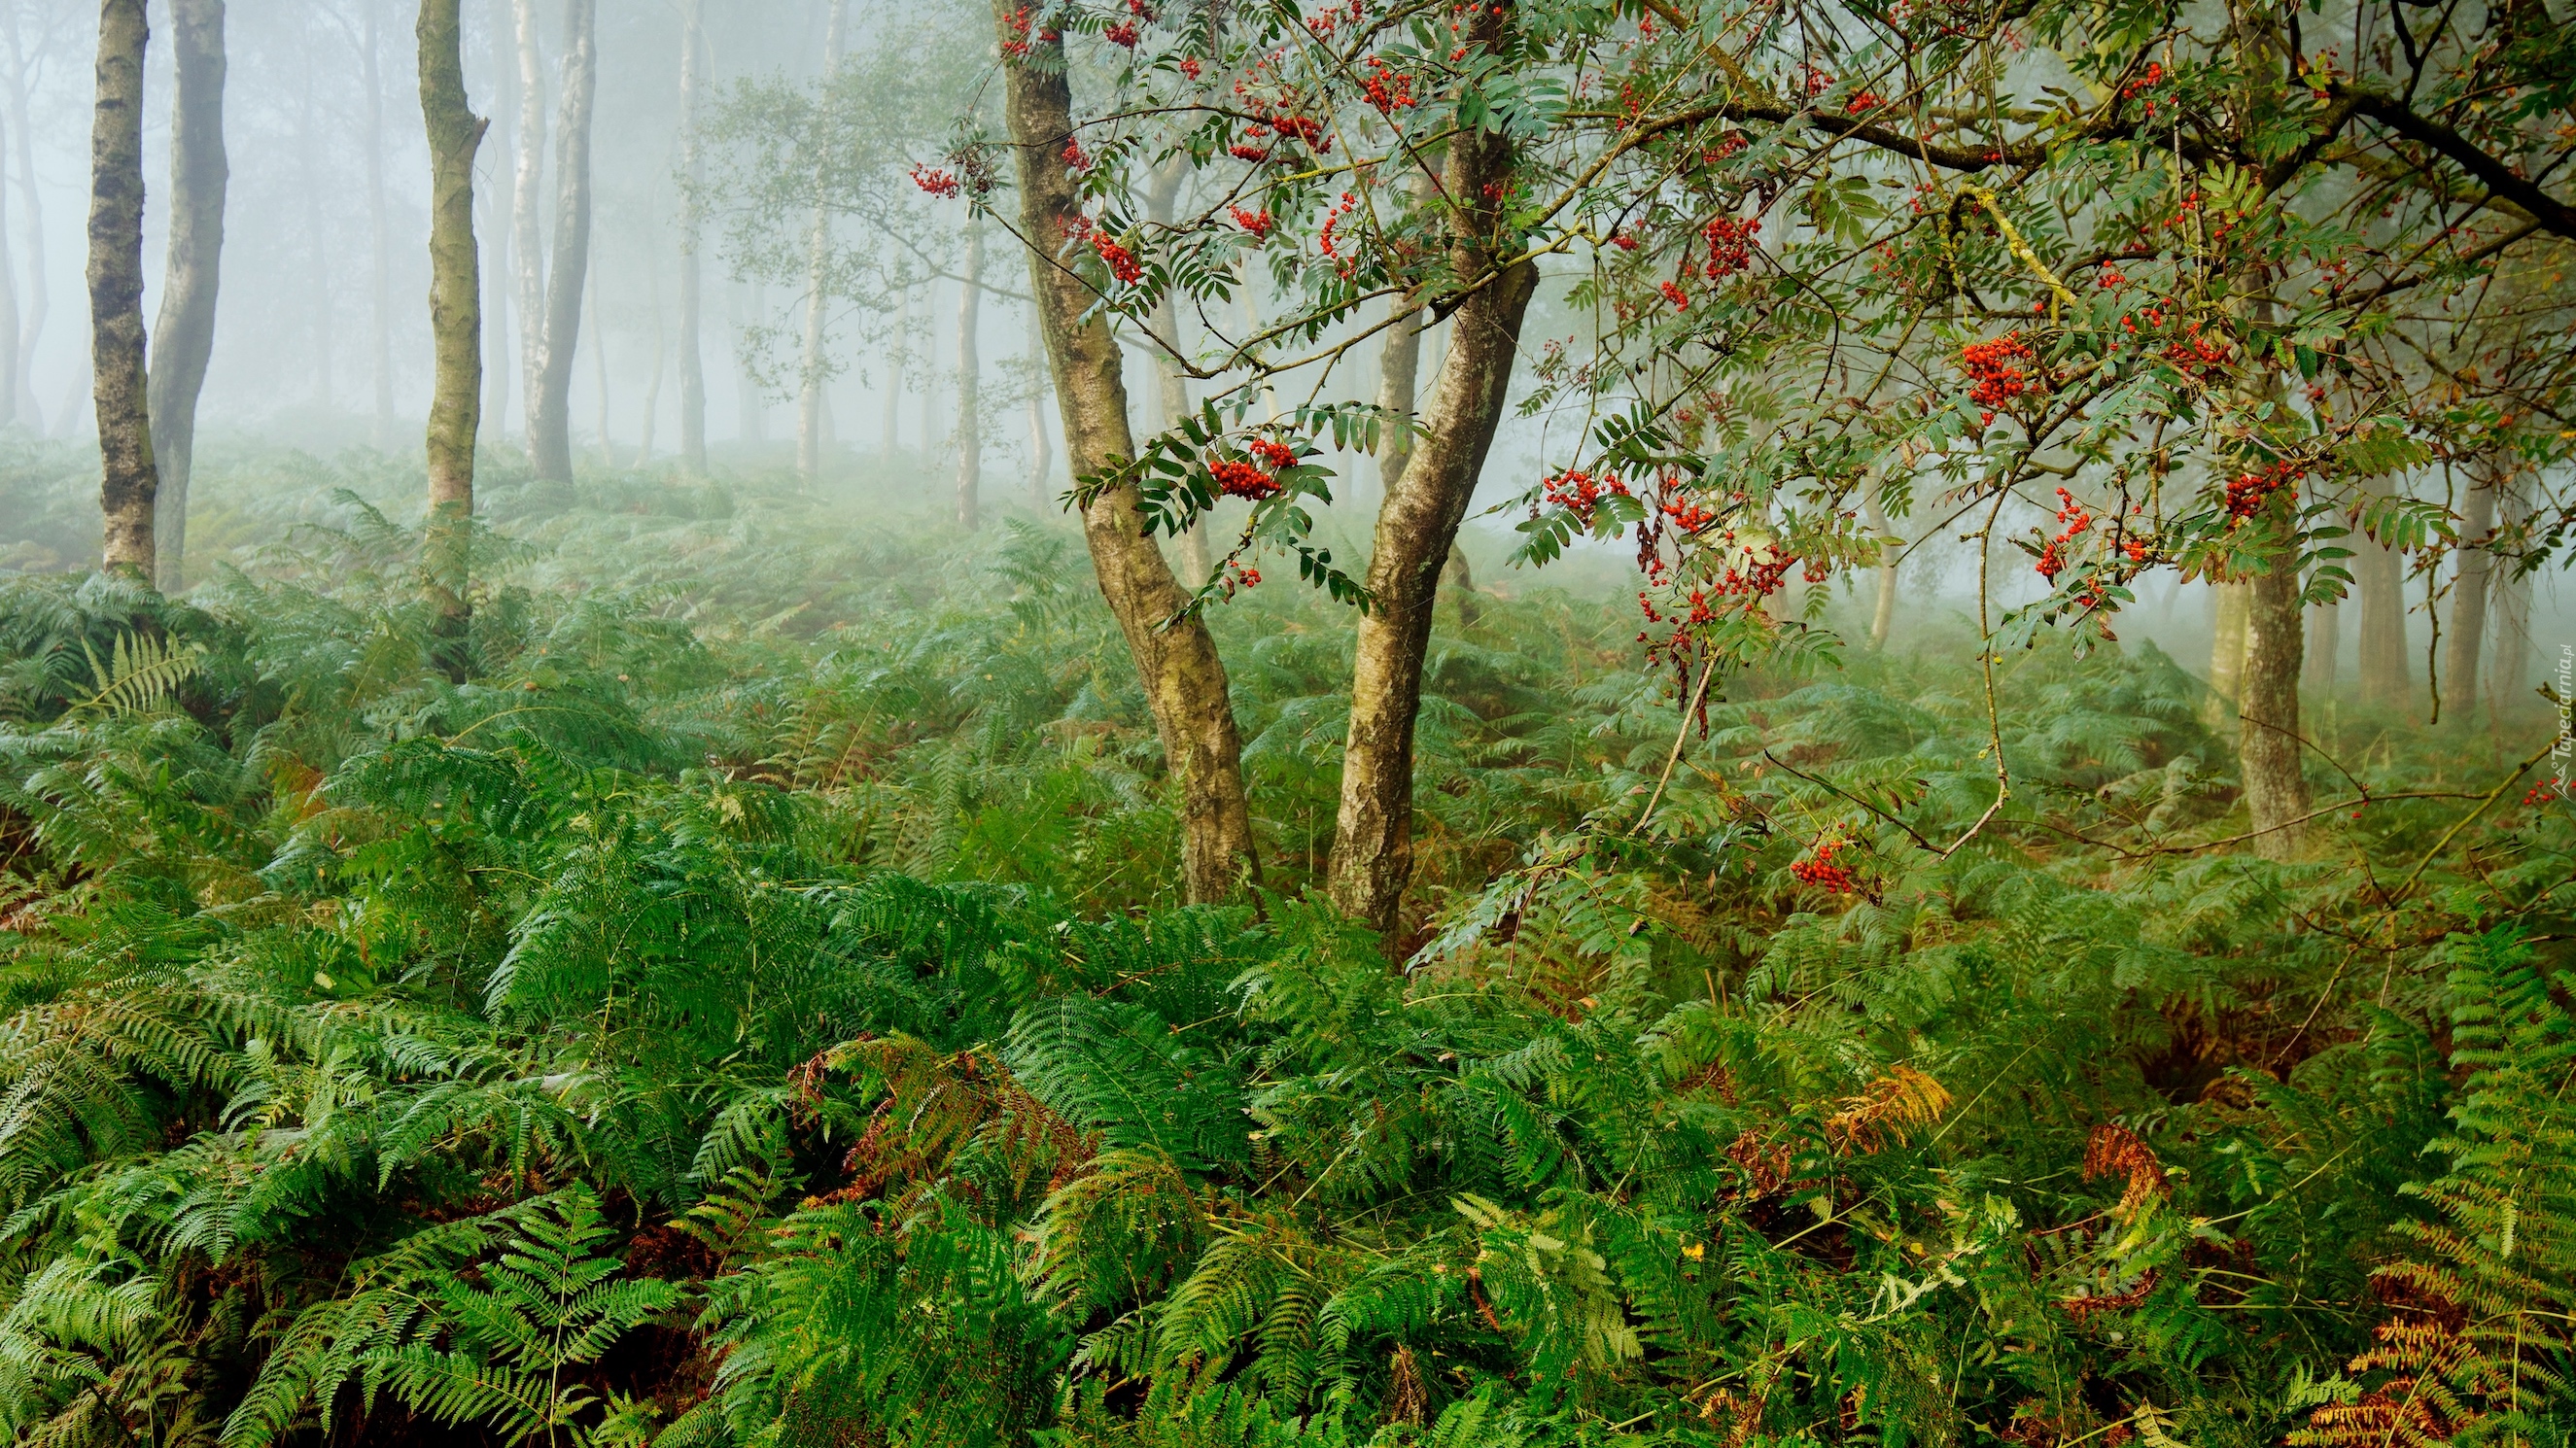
755, 1007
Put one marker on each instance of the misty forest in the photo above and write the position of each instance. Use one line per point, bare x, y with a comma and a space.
1189, 723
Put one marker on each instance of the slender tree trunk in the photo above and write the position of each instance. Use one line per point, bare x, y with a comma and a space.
1041, 439
2381, 575
1172, 385
970, 363
891, 434
1417, 524
2324, 649
39, 299
455, 322
661, 352
597, 336
2464, 630
750, 404
818, 259
527, 209
2276, 788
2226, 657
1882, 615
184, 340
380, 227
1184, 679
502, 217
128, 481
693, 171
10, 385
318, 239
550, 402
2510, 664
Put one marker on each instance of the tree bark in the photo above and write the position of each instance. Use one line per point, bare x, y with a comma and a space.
2381, 575
1041, 441
2509, 666
379, 227
693, 168
184, 340
550, 402
751, 407
2226, 657
970, 435
890, 434
128, 481
527, 210
2276, 788
2464, 631
818, 257
455, 322
1882, 616
2324, 649
1417, 523
39, 300
1185, 681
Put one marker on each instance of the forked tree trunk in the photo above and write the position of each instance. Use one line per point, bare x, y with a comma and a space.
455, 321
2226, 657
184, 340
818, 261
2381, 574
693, 168
128, 481
550, 405
1417, 524
527, 210
1185, 681
2276, 788
970, 436
2464, 629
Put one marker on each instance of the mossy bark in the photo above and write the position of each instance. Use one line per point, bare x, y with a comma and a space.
129, 483
455, 320
183, 341
1184, 679
2269, 745
1417, 525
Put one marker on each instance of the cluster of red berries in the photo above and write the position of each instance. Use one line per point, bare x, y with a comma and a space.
1323, 21
1329, 242
1122, 262
1256, 222
2077, 521
1674, 294
1017, 47
1864, 102
1388, 89
1276, 454
1821, 870
1688, 517
1730, 245
1235, 575
2247, 495
941, 184
1239, 479
1625, 241
2155, 74
1579, 492
1818, 81
2544, 792
1123, 35
2196, 355
1076, 158
1991, 366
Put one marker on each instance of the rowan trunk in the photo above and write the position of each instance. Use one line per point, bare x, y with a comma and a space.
527, 210
184, 339
455, 322
2276, 788
380, 232
2226, 657
550, 402
2381, 574
970, 434
2464, 629
128, 481
1185, 681
1417, 523
693, 375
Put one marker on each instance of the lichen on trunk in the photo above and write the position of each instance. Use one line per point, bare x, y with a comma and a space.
129, 482
456, 323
